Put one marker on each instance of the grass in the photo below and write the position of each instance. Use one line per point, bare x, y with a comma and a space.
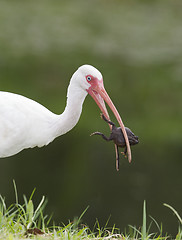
24, 221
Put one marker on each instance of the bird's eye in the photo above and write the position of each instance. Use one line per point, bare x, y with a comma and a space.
89, 78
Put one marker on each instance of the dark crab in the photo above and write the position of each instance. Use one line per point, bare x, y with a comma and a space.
117, 137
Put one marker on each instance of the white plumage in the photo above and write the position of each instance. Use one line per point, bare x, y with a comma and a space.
25, 123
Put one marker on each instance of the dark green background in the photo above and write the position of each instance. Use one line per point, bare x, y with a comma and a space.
137, 45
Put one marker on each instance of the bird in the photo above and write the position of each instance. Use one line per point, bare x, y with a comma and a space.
25, 123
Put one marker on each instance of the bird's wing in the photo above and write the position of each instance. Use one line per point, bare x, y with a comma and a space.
23, 123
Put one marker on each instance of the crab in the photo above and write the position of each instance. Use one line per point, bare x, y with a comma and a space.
117, 137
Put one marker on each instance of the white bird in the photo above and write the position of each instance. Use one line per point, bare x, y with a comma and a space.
25, 123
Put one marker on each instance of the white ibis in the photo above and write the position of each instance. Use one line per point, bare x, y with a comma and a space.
25, 123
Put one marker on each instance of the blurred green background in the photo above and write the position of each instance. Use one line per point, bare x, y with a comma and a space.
137, 45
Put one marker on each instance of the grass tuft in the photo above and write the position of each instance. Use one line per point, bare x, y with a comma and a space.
23, 221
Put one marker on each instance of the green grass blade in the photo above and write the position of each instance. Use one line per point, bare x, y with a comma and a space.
29, 212
37, 211
16, 192
174, 211
144, 226
79, 219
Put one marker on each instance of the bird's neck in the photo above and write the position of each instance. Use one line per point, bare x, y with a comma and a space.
69, 118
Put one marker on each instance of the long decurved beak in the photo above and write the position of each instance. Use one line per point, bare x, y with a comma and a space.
100, 95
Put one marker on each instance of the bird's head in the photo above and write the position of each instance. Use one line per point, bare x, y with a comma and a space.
90, 79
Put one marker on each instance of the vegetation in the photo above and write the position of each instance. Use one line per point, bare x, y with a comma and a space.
25, 221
